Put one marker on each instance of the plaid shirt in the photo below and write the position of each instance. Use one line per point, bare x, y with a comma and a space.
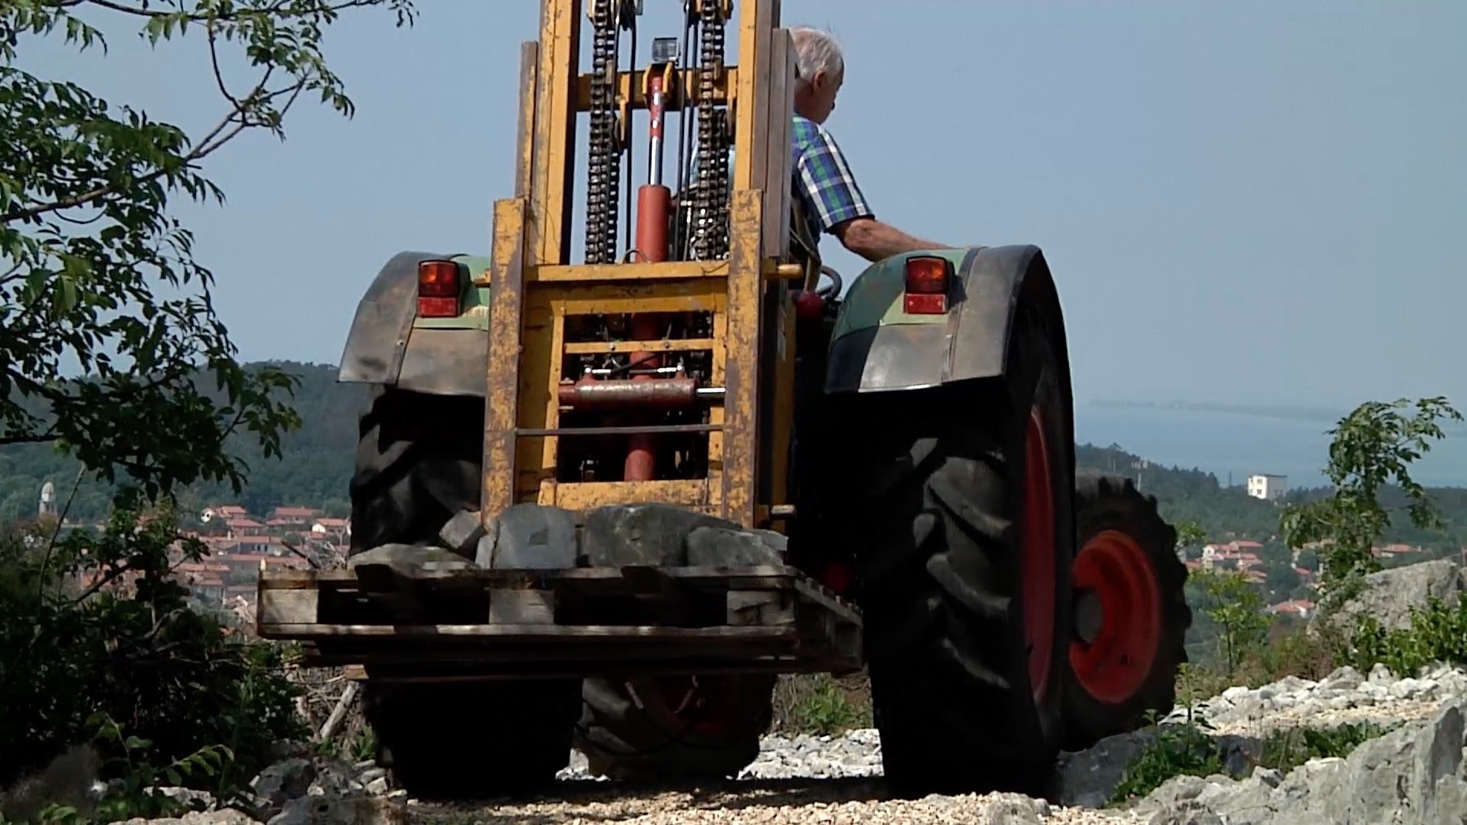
823, 181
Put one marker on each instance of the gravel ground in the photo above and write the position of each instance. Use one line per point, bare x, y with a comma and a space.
831, 780
827, 802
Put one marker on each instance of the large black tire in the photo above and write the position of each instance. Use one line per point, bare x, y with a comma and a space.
1123, 529
936, 513
630, 730
418, 463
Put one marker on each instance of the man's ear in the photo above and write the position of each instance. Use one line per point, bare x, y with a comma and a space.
819, 81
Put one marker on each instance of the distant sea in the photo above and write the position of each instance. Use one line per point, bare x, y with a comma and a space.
1242, 444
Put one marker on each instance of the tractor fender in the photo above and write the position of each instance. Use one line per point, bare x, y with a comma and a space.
970, 343
383, 347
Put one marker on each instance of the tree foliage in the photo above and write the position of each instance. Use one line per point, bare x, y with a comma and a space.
112, 354
1189, 535
87, 240
1236, 608
1372, 446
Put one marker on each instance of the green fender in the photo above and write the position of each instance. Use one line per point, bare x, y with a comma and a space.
389, 345
876, 346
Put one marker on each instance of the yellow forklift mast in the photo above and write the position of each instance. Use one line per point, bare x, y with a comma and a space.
657, 346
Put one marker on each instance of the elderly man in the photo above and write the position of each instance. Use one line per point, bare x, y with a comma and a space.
832, 201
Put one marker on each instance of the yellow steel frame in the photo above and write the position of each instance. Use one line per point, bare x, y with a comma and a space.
535, 288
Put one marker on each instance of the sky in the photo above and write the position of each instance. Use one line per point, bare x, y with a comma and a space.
1244, 201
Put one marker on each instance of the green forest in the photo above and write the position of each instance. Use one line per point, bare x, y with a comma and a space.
318, 460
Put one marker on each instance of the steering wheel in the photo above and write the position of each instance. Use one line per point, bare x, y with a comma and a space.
837, 282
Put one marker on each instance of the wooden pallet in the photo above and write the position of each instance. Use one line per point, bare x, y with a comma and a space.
442, 624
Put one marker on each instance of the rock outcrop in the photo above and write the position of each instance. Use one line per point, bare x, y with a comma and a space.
1412, 776
1390, 595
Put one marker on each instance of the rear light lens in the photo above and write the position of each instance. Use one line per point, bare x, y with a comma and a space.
927, 279
439, 289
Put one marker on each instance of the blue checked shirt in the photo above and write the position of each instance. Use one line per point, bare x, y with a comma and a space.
822, 180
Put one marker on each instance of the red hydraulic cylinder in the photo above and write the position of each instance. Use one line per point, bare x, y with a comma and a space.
654, 201
653, 204
641, 461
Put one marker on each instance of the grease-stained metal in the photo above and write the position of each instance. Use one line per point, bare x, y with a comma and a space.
378, 336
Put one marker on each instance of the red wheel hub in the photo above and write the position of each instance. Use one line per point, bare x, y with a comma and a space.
1117, 570
703, 705
1038, 554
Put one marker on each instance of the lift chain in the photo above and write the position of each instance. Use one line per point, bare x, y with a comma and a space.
711, 195
603, 171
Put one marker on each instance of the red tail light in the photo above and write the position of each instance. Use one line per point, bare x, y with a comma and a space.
926, 285
439, 289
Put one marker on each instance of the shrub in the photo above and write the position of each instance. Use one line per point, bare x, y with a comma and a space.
1438, 633
1177, 750
1188, 750
96, 633
822, 705
1286, 749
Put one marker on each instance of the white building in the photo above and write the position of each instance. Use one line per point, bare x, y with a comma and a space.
1267, 487
47, 505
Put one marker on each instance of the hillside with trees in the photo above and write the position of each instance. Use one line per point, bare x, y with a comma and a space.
314, 467
316, 462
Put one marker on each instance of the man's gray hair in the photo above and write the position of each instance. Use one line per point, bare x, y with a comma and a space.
816, 51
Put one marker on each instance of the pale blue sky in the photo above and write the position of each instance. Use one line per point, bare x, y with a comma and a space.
1249, 201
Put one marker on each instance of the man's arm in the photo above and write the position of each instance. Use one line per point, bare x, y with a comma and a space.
874, 240
842, 210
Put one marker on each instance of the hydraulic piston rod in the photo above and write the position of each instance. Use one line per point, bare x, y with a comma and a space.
629, 393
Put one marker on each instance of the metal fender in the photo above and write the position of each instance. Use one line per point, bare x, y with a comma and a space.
884, 349
385, 347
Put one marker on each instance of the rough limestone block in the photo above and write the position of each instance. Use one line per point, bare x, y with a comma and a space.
651, 535
462, 532
529, 537
725, 547
406, 558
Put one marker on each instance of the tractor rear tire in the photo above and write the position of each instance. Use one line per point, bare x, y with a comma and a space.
1128, 578
667, 728
418, 463
960, 516
640, 731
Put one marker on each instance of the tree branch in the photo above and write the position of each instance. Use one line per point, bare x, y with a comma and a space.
39, 438
113, 571
216, 137
275, 9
